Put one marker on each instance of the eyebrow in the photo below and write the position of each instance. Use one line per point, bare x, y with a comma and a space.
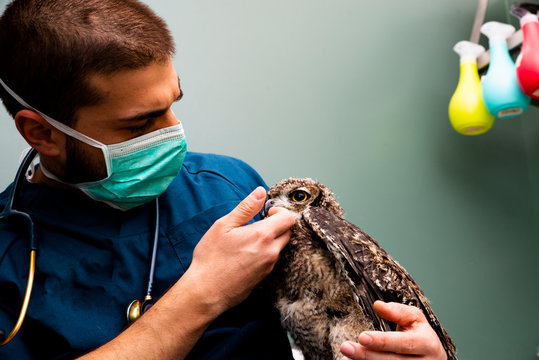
152, 113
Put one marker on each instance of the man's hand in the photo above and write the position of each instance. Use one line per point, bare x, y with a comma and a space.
231, 259
414, 336
228, 262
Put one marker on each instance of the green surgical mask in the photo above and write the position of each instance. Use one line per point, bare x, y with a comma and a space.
138, 170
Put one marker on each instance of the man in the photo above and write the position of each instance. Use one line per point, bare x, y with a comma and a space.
90, 84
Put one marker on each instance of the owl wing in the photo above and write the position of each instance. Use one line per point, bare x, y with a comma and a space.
374, 274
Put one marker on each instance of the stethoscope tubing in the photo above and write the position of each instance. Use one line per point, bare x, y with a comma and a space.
9, 211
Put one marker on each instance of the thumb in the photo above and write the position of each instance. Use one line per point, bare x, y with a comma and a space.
246, 209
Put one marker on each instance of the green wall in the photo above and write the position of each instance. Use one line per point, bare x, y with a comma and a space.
355, 94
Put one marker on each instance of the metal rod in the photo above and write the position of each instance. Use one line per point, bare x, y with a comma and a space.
478, 20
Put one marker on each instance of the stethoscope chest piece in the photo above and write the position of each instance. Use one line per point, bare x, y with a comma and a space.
137, 308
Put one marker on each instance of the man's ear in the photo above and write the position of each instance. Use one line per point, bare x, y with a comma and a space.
39, 134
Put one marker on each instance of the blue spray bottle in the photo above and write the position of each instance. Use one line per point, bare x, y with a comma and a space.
501, 92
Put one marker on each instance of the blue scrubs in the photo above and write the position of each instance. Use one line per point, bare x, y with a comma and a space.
93, 261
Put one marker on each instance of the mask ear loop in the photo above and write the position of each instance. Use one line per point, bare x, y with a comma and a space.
63, 127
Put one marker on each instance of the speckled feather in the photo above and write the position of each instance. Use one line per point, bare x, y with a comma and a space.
331, 273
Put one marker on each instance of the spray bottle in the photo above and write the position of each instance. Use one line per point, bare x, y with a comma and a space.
501, 92
467, 113
527, 65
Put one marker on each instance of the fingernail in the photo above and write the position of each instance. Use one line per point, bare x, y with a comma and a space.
347, 349
365, 339
259, 193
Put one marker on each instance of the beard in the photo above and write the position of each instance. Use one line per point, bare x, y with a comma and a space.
80, 166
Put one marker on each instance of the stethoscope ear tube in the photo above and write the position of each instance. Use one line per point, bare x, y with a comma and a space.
10, 212
8, 209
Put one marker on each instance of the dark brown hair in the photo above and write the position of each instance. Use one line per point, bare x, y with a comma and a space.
49, 48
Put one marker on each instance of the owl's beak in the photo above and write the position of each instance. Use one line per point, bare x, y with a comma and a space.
268, 205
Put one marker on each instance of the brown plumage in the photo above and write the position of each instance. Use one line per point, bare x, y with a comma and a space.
331, 273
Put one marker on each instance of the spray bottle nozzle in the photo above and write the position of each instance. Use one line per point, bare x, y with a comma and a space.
526, 12
521, 9
497, 30
468, 51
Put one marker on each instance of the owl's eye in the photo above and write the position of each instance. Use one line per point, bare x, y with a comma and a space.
299, 196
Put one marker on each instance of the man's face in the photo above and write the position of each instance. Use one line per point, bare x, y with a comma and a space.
136, 102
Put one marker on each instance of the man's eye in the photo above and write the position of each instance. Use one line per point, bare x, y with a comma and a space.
145, 125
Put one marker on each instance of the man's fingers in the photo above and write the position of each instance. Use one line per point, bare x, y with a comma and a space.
246, 209
355, 351
351, 349
393, 342
282, 240
403, 315
416, 338
279, 221
274, 210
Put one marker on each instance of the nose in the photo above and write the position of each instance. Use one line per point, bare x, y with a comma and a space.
268, 205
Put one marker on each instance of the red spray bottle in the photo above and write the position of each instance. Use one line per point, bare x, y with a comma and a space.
527, 64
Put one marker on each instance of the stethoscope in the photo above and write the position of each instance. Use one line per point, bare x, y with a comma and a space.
135, 309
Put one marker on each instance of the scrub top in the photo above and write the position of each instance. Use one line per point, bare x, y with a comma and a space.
93, 260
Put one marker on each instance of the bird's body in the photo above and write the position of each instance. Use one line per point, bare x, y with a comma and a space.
331, 273
321, 313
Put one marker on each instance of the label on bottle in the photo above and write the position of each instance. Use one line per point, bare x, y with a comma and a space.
509, 112
472, 130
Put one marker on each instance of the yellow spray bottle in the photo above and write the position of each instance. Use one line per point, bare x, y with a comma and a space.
467, 112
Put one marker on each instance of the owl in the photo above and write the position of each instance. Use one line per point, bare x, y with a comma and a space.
331, 273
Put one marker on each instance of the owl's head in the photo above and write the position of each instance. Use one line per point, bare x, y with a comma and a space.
297, 195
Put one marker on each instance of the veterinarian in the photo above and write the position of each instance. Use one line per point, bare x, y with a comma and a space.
120, 244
